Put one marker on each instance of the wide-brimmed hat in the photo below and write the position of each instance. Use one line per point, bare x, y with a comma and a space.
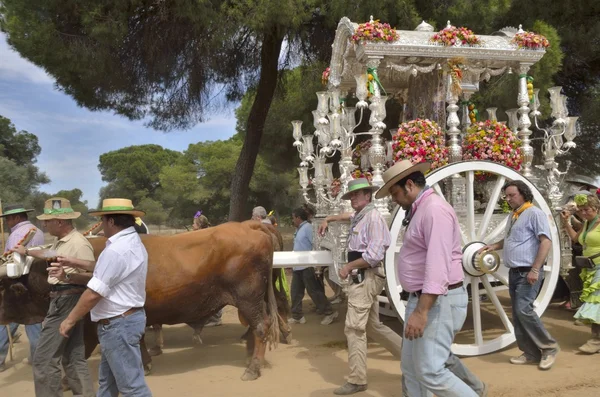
116, 206
358, 184
398, 171
13, 209
58, 208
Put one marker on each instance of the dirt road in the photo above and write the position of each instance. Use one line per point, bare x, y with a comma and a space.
316, 363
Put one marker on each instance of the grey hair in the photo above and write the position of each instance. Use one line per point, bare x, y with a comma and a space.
260, 212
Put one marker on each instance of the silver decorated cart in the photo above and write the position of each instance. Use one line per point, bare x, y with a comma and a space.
414, 71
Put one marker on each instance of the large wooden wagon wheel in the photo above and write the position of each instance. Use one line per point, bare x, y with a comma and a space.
488, 327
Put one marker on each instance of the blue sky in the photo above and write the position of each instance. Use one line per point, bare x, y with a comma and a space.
73, 138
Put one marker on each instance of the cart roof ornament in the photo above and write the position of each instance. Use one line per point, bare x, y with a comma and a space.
495, 52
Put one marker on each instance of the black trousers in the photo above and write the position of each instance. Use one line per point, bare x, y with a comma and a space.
307, 280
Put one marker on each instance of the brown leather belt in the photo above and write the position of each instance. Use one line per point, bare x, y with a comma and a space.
106, 321
450, 287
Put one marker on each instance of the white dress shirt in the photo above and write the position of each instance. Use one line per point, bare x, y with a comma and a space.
120, 275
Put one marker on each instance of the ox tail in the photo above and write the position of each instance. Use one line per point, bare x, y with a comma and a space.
273, 333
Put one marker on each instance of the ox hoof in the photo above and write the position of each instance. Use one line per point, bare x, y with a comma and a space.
197, 339
155, 351
147, 369
250, 375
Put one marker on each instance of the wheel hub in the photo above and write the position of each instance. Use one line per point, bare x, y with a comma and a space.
477, 264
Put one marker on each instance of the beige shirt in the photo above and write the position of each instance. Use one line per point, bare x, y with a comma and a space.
75, 245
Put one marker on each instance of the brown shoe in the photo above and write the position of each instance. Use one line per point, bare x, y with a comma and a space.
592, 346
349, 388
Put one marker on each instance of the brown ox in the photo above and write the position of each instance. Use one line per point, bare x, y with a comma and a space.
190, 277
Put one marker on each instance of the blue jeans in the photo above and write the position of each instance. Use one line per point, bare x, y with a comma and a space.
33, 334
424, 360
532, 338
121, 368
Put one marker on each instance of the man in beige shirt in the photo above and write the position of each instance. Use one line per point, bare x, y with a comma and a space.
67, 284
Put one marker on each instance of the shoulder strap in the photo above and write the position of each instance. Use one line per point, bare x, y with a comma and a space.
594, 256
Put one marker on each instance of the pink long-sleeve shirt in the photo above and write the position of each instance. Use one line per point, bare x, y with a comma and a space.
430, 258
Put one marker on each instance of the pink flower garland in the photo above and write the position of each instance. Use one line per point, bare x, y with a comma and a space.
374, 31
530, 40
493, 141
451, 35
420, 140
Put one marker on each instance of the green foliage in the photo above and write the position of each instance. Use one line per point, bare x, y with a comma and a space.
133, 172
201, 180
155, 213
19, 177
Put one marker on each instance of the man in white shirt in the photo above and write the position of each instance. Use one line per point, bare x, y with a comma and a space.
115, 297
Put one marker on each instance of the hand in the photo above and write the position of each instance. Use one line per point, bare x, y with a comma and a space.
486, 249
56, 270
66, 261
532, 277
415, 327
565, 216
19, 249
344, 272
322, 228
66, 326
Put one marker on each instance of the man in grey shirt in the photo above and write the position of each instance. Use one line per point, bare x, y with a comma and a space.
526, 246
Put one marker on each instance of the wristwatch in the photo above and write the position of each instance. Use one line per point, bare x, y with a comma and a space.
67, 277
26, 251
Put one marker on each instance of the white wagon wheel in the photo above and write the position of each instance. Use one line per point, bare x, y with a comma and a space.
487, 334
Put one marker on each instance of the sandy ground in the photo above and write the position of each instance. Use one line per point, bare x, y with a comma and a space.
316, 363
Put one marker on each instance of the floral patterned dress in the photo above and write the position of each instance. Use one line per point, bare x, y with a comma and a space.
589, 312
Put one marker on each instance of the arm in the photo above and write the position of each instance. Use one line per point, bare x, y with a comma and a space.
438, 233
333, 218
37, 253
57, 270
493, 247
542, 254
77, 263
88, 300
565, 218
542, 229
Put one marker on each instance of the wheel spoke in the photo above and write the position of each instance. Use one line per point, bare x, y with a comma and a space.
476, 306
495, 234
436, 187
496, 302
438, 190
470, 206
500, 278
491, 205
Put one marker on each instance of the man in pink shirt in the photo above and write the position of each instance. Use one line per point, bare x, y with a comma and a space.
430, 269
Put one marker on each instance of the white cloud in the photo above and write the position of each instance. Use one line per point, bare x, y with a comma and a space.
14, 67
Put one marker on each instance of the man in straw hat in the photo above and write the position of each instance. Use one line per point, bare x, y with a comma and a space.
115, 299
17, 221
369, 239
66, 285
430, 269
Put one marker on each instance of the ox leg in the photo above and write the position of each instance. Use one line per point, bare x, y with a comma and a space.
156, 350
257, 345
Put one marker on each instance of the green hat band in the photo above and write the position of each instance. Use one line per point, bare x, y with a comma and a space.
117, 208
359, 186
52, 211
15, 211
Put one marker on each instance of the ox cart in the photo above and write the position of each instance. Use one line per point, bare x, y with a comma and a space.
435, 81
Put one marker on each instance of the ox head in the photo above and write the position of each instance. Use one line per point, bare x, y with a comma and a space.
25, 300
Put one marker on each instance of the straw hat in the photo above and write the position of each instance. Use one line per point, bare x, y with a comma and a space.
58, 208
358, 184
398, 171
13, 209
116, 206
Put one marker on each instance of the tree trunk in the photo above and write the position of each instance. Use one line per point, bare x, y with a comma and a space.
240, 184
